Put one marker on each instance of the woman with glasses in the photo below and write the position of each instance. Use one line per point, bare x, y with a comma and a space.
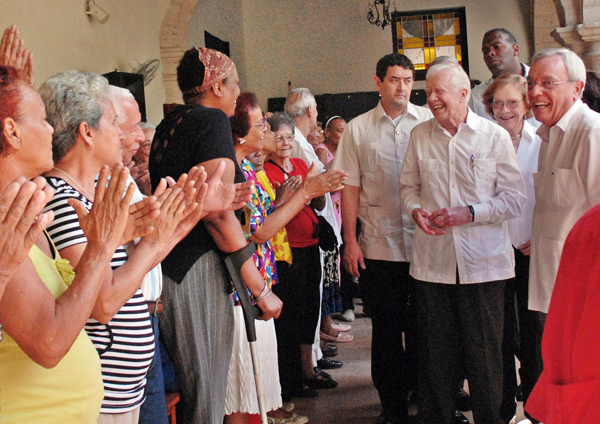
261, 221
506, 100
299, 282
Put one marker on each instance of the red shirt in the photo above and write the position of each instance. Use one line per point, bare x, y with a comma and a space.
568, 391
301, 228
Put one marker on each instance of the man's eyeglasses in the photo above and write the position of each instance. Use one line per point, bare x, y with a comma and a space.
546, 85
262, 123
511, 104
280, 137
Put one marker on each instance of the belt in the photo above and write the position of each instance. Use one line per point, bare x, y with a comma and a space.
155, 308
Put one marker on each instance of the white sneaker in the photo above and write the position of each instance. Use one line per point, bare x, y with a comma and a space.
347, 316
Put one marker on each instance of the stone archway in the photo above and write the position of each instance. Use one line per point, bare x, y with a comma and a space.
173, 42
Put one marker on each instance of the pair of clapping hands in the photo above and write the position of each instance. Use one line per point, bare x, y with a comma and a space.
112, 221
314, 185
177, 206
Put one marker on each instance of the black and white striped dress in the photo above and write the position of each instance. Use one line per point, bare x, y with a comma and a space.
126, 343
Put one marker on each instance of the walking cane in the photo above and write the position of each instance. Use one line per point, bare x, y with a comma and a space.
234, 263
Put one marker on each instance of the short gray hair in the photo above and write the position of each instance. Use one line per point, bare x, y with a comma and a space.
279, 119
298, 101
72, 98
117, 96
458, 76
573, 63
147, 125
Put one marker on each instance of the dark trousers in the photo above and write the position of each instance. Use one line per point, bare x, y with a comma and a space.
521, 330
154, 408
539, 324
459, 323
389, 290
298, 289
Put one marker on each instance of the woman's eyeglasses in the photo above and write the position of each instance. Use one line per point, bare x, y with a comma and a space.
511, 104
262, 124
288, 137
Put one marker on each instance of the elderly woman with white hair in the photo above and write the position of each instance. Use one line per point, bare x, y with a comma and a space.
85, 139
506, 101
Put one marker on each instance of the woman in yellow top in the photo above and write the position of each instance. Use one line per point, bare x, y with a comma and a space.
49, 369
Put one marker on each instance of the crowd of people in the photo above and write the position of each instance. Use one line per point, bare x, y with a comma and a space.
124, 244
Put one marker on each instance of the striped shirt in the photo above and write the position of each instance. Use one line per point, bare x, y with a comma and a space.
126, 343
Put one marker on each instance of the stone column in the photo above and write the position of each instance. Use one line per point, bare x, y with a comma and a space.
580, 29
173, 43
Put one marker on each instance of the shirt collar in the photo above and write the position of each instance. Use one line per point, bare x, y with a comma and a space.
563, 123
473, 122
379, 112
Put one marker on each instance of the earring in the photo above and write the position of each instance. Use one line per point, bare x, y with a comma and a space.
242, 141
90, 146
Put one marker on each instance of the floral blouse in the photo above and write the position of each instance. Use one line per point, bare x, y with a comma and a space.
259, 206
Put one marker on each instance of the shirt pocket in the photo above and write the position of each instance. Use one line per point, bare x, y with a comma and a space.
429, 172
368, 156
564, 187
484, 174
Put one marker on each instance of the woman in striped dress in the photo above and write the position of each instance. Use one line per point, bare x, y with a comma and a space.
86, 137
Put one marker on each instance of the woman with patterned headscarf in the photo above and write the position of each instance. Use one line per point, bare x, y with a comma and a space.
197, 321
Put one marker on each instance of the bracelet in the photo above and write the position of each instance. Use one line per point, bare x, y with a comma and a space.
266, 291
472, 212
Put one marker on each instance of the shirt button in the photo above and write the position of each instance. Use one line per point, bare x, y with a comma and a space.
397, 132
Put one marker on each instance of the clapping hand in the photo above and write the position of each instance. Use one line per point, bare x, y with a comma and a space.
107, 220
13, 53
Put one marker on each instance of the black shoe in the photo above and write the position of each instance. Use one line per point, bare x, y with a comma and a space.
459, 418
329, 364
463, 401
330, 351
318, 381
320, 372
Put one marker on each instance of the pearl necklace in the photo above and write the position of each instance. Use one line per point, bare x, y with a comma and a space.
89, 196
518, 135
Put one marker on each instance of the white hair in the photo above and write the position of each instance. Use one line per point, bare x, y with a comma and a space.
147, 125
72, 98
458, 76
298, 101
117, 96
573, 63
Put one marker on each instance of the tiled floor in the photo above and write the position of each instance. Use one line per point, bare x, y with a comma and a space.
355, 400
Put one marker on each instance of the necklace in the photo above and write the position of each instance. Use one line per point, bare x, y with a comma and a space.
89, 196
518, 135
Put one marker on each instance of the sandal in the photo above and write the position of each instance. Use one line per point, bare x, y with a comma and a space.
341, 338
294, 419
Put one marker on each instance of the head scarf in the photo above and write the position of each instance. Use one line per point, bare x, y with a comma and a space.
217, 67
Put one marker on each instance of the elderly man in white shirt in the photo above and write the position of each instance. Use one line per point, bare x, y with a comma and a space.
302, 107
460, 183
372, 151
567, 183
